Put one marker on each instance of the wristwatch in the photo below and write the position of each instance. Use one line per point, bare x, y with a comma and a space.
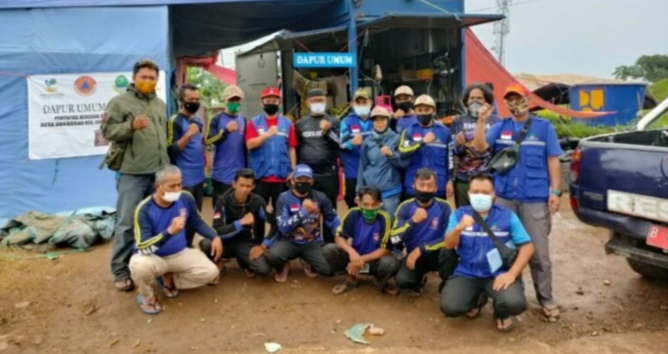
556, 192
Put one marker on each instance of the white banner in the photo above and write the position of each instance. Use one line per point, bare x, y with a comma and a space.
64, 112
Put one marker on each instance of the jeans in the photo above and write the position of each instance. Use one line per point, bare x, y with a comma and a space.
132, 189
198, 193
390, 205
461, 295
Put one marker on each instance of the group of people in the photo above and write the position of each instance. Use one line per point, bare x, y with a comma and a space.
276, 184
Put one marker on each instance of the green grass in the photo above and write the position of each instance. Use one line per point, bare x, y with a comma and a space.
565, 127
659, 90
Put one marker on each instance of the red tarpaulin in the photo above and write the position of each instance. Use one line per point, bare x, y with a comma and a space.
481, 66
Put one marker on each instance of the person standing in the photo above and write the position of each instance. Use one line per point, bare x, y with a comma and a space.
135, 120
271, 141
404, 116
469, 161
532, 186
380, 163
427, 144
186, 146
355, 128
226, 133
318, 145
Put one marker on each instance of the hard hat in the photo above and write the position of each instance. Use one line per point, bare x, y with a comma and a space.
425, 100
403, 90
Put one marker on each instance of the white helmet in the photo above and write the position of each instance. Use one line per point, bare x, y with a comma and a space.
404, 90
425, 100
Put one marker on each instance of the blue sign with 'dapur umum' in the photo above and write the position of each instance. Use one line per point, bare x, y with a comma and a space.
324, 60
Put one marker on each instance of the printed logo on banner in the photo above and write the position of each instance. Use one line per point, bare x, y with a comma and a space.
51, 85
121, 84
85, 85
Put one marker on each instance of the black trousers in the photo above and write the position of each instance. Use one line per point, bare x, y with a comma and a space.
461, 294
270, 191
219, 188
383, 269
328, 184
351, 185
283, 251
443, 261
239, 249
461, 193
197, 192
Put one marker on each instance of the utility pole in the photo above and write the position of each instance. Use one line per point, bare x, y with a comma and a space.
501, 29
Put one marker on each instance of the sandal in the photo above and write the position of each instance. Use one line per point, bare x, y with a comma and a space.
551, 313
308, 270
282, 276
124, 284
475, 312
170, 292
502, 327
154, 308
343, 287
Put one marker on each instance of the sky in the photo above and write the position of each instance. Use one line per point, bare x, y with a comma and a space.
587, 37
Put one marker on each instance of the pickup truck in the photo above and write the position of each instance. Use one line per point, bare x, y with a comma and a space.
619, 182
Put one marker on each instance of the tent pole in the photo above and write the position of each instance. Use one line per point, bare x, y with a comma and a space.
352, 46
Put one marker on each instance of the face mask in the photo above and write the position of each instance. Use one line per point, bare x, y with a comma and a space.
474, 108
171, 197
303, 187
369, 214
518, 107
191, 107
480, 202
233, 107
270, 108
145, 87
405, 106
425, 119
424, 197
317, 108
362, 111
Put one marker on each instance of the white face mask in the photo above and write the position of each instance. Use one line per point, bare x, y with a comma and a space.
171, 197
318, 108
481, 202
362, 111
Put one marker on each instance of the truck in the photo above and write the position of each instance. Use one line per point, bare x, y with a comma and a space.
619, 181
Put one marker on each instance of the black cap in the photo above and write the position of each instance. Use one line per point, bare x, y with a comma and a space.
315, 93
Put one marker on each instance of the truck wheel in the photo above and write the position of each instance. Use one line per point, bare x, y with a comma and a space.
648, 271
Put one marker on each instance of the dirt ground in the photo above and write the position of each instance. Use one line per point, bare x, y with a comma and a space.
69, 305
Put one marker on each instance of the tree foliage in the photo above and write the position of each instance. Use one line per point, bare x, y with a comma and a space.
211, 89
648, 67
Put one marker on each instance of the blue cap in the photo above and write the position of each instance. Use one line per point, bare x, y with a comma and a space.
302, 171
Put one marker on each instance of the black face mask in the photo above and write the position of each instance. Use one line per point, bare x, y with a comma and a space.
425, 119
303, 187
191, 107
405, 106
270, 108
424, 197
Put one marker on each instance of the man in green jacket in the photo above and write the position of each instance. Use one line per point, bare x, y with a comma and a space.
136, 119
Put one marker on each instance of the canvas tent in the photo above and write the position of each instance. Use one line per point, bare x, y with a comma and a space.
86, 36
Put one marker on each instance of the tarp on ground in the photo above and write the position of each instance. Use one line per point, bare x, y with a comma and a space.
477, 57
65, 40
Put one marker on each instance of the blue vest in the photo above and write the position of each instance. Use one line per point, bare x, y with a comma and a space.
230, 155
529, 180
434, 156
351, 158
272, 157
474, 243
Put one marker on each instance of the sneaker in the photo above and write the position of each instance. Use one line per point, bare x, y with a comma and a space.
282, 276
308, 270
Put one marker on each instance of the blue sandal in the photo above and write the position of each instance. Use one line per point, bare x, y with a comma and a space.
156, 310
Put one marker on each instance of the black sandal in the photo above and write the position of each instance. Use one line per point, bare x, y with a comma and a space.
505, 329
124, 284
482, 301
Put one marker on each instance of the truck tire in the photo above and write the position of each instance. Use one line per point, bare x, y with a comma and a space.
648, 271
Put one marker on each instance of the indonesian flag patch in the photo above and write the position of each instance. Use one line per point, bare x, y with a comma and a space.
216, 215
417, 137
294, 208
506, 135
355, 129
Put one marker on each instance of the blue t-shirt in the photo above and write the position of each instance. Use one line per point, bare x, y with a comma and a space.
366, 237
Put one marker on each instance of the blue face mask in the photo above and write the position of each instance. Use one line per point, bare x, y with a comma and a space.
480, 202
362, 111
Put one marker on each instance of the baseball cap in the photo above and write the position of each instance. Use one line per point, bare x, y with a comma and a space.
379, 111
232, 91
516, 88
302, 171
403, 90
270, 92
316, 92
425, 100
361, 93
